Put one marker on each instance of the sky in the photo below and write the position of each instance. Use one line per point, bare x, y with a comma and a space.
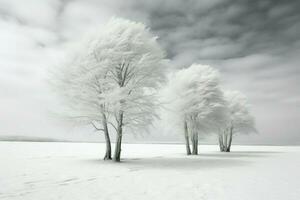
255, 44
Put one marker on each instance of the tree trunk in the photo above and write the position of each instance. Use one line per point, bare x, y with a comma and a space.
225, 140
186, 136
117, 154
195, 144
230, 140
107, 139
221, 144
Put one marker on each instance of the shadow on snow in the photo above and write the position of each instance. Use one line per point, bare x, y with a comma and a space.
192, 162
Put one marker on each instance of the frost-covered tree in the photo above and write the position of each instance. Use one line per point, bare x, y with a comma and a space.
240, 119
83, 91
196, 102
116, 76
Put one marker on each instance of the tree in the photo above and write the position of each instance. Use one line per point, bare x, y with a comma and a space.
118, 75
240, 119
196, 102
83, 93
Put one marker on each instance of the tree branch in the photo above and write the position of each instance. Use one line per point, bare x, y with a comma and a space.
96, 128
113, 126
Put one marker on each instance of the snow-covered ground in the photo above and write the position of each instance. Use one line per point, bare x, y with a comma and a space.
71, 171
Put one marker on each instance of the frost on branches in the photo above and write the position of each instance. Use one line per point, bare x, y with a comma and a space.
196, 102
239, 120
112, 80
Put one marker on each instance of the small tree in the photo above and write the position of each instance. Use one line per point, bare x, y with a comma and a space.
197, 103
240, 119
118, 75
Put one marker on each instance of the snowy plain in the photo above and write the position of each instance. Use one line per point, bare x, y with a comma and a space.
76, 171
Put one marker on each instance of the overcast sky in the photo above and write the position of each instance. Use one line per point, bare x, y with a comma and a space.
254, 43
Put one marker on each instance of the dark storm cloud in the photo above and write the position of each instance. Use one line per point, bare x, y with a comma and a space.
223, 29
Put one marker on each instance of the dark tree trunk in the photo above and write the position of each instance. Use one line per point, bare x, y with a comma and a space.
117, 154
230, 140
186, 136
221, 143
107, 139
195, 144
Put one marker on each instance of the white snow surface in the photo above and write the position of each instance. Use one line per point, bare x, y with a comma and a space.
71, 171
